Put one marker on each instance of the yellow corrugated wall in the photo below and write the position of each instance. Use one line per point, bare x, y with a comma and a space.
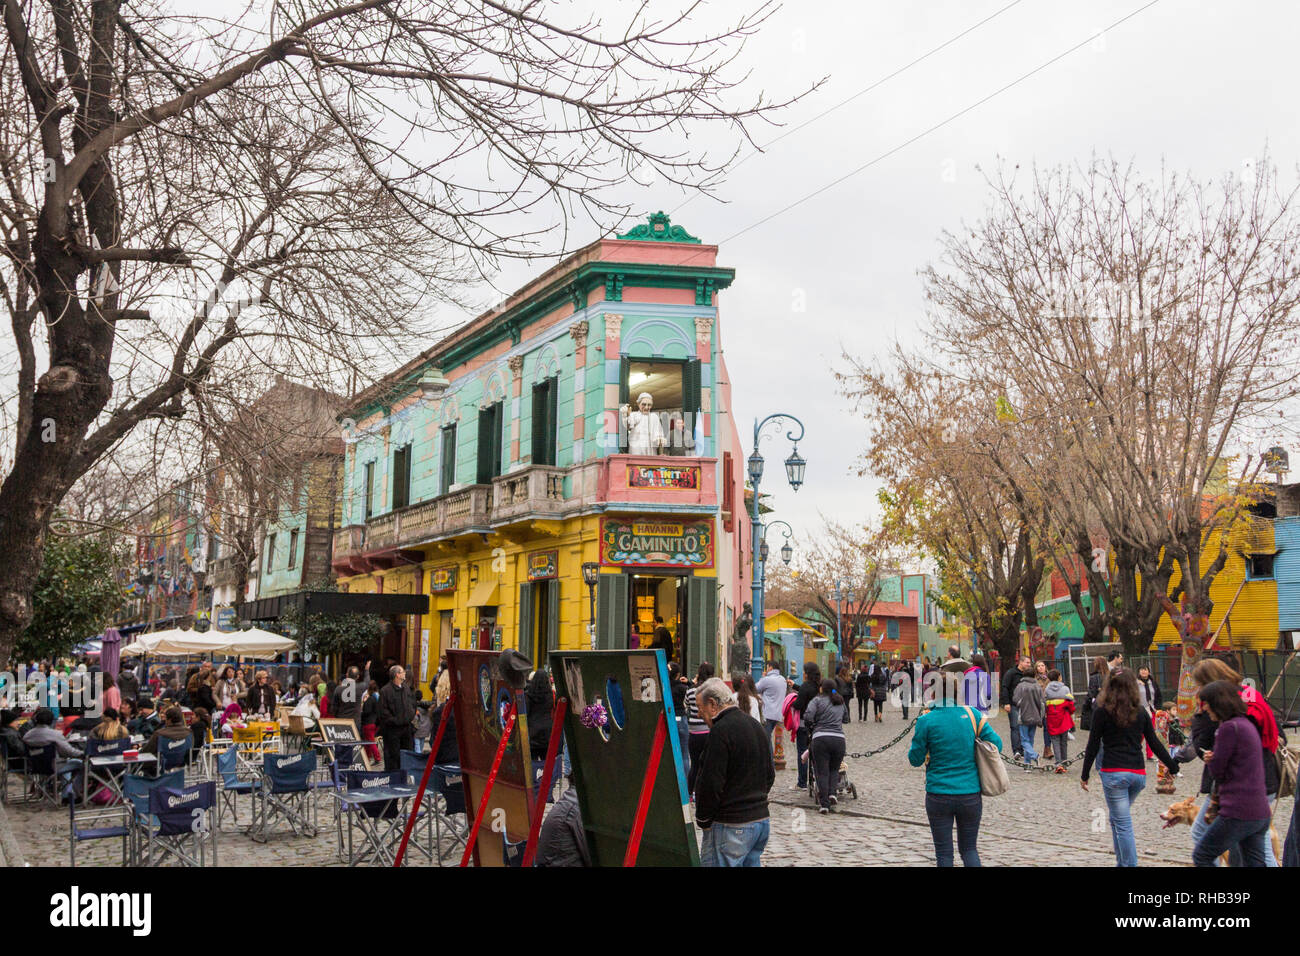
1254, 619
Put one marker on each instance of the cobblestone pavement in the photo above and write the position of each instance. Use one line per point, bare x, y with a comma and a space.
1044, 820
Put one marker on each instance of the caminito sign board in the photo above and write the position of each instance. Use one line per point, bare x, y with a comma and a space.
659, 542
609, 763
481, 699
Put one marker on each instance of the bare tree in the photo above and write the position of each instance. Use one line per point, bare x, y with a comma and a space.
183, 197
932, 441
856, 557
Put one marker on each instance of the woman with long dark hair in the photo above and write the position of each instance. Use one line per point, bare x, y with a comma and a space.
1203, 731
824, 718
1119, 725
747, 698
1235, 763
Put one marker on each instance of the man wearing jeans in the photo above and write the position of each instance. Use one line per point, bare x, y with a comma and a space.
772, 689
1007, 698
732, 782
1031, 707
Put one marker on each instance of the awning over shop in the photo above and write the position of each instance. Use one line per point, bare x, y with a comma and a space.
336, 602
484, 594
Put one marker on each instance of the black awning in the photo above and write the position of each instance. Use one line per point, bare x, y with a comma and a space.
335, 602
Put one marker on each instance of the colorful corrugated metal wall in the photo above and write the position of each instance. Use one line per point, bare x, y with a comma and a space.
1254, 618
1286, 569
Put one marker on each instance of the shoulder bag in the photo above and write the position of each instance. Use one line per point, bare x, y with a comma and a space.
994, 780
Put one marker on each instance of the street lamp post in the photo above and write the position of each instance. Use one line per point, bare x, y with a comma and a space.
794, 471
590, 575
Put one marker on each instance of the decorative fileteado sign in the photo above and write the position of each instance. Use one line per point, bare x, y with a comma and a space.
656, 543
664, 476
442, 580
543, 565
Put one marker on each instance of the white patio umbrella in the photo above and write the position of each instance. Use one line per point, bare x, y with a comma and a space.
183, 643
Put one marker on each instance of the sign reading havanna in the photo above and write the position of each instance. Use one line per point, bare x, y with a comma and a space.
656, 542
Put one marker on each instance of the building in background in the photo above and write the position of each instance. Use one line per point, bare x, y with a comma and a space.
489, 469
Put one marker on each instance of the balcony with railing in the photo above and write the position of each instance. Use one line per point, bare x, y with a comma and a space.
657, 480
533, 492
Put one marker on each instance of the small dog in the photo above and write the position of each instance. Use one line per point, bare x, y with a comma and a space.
1184, 811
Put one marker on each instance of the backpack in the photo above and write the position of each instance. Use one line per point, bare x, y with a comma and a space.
790, 716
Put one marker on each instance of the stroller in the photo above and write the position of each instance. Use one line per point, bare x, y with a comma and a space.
842, 784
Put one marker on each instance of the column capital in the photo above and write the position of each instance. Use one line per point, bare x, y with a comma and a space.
516, 365
578, 332
703, 329
613, 325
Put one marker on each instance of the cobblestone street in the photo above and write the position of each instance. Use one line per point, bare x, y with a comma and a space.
1044, 820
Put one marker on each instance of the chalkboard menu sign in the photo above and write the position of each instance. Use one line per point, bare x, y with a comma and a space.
342, 730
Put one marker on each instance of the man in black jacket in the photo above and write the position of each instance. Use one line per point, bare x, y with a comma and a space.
396, 711
733, 781
1007, 698
346, 700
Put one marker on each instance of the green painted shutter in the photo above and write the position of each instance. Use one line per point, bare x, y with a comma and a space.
525, 642
552, 419
611, 612
448, 474
553, 609
486, 416
498, 435
691, 390
624, 373
701, 623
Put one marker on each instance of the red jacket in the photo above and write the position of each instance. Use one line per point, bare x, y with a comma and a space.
1060, 715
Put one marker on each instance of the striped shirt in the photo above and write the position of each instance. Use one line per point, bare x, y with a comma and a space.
694, 722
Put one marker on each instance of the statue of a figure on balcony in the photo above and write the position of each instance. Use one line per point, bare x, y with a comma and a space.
740, 649
645, 433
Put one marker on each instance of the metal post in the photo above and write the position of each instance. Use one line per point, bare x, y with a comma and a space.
756, 533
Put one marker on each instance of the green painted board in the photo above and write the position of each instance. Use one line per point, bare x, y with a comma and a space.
608, 773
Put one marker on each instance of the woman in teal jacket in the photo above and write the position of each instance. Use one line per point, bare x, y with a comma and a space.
944, 741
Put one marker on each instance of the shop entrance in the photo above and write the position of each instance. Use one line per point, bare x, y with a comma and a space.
487, 620
662, 597
626, 603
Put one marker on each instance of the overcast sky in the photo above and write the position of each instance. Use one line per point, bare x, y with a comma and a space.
1193, 86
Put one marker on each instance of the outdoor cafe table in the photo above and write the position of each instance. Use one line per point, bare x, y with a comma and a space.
379, 834
111, 762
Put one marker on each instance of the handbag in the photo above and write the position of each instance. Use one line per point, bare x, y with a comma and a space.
1288, 763
994, 780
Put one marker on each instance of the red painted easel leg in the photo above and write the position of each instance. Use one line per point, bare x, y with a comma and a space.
647, 790
544, 785
424, 780
491, 781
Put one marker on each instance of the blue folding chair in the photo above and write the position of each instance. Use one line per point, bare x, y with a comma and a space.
174, 753
286, 794
179, 825
231, 786
449, 787
41, 775
100, 823
136, 789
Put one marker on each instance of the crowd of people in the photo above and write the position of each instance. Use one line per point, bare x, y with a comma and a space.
726, 733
